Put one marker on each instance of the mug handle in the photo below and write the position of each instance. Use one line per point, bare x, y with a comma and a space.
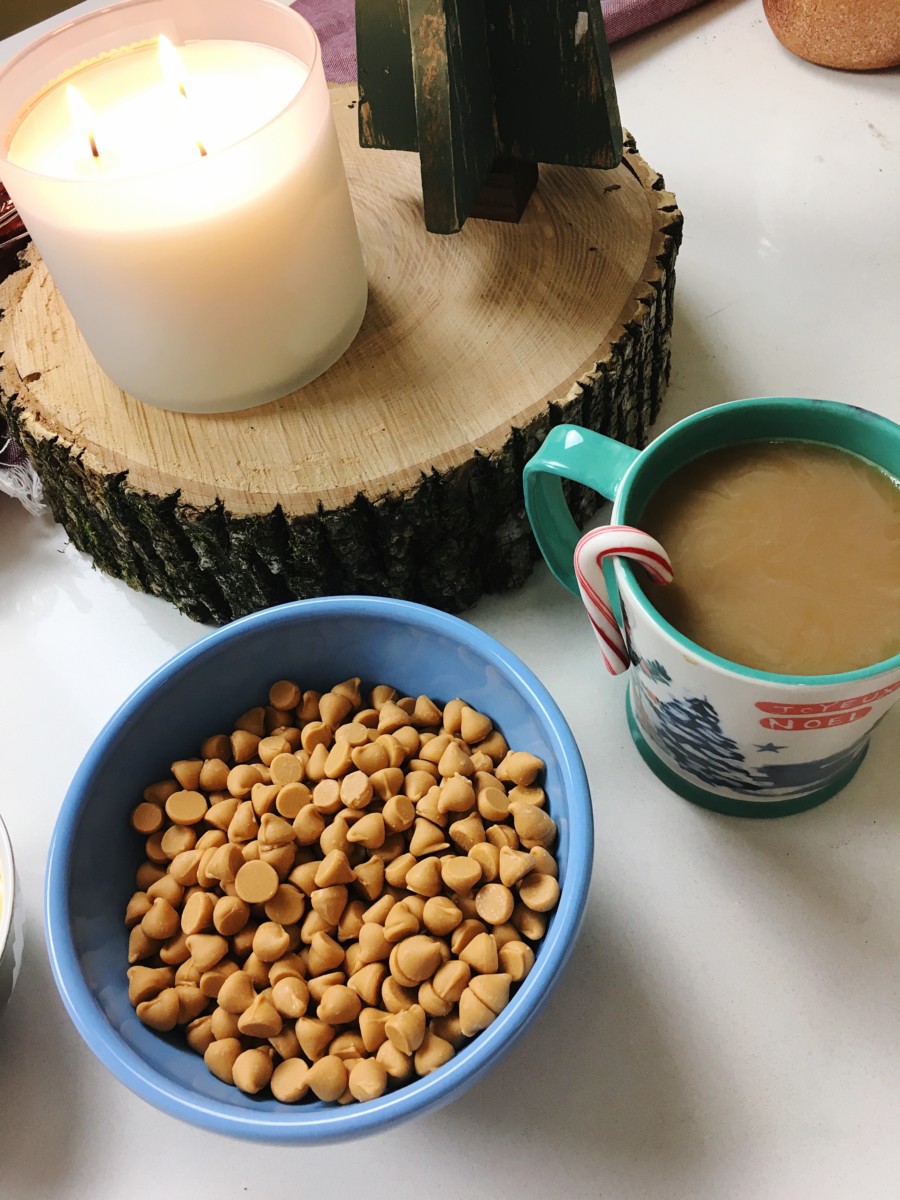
569, 452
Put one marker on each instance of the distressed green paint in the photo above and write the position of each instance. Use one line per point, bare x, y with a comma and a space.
387, 108
467, 81
554, 92
454, 107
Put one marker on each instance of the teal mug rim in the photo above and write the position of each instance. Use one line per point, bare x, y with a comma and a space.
827, 408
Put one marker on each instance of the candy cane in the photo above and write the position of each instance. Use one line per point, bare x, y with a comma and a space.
589, 555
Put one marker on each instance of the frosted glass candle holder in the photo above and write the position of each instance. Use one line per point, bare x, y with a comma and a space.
195, 217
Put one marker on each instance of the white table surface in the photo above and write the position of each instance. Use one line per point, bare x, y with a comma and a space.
729, 1027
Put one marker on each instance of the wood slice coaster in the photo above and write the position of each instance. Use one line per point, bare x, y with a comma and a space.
398, 472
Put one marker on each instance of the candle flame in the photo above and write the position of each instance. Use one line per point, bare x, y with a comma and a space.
174, 73
82, 117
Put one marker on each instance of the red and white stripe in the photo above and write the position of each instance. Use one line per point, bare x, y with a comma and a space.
590, 552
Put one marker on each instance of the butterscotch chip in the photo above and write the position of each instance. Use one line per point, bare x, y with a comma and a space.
314, 1037
320, 984
425, 877
144, 983
474, 726
334, 868
451, 980
465, 933
493, 804
329, 902
324, 954
502, 835
492, 990
427, 839
533, 825
514, 865
367, 1080
367, 982
256, 882
199, 1034
252, 1070
406, 1029
467, 833
287, 905
271, 941
308, 824
488, 858
418, 957
377, 912
326, 796
371, 1027
285, 1043
520, 768
352, 732
175, 950
333, 707
197, 914
339, 1005
334, 836
516, 959
243, 779
373, 945
455, 761
260, 1019
221, 1056
474, 1014
285, 694
161, 921
243, 826
370, 877
452, 716
146, 818
481, 954
395, 873
236, 993
158, 793
370, 757
275, 831
291, 799
432, 1003
432, 749
368, 831
539, 892
221, 814
327, 1077
460, 875
400, 923
315, 734
230, 915
441, 915
448, 1029
339, 760
243, 746
161, 1012
395, 997
289, 1081
494, 903
351, 921
433, 1053
225, 863
457, 795
531, 924
186, 807
288, 966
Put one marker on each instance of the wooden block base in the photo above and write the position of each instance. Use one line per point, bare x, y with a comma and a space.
398, 472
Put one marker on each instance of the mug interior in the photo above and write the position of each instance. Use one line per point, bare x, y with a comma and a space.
818, 422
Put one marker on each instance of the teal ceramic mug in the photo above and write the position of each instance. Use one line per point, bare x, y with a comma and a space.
738, 740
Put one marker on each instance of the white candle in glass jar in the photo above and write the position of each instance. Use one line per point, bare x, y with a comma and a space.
196, 221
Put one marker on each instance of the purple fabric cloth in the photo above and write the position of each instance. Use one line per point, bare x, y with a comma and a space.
333, 21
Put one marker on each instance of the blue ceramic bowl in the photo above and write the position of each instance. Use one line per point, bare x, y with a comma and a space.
94, 852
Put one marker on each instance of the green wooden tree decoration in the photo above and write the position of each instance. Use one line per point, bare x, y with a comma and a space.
485, 90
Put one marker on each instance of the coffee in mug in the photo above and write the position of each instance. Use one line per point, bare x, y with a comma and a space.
786, 557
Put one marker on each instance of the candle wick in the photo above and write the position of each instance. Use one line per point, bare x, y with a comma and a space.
201, 148
94, 151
